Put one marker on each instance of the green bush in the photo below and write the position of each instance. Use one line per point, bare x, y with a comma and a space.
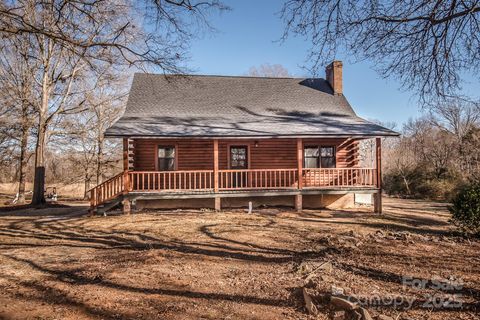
466, 209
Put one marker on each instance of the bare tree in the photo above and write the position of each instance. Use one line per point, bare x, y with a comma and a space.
138, 33
457, 116
87, 146
426, 44
400, 160
17, 95
59, 73
8, 144
461, 119
69, 39
105, 107
269, 70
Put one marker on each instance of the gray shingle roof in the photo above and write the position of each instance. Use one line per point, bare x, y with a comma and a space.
223, 106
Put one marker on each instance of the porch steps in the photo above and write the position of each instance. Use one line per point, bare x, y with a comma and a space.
108, 205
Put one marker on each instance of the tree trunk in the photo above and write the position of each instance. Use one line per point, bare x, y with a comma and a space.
86, 186
39, 179
99, 173
407, 185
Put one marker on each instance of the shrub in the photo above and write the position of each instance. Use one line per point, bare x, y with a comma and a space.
442, 189
466, 209
421, 185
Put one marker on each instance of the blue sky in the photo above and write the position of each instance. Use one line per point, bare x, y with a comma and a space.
248, 36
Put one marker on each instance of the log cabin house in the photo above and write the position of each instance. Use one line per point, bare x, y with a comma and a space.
224, 141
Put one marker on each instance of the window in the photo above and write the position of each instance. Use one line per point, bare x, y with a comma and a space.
239, 157
166, 158
319, 157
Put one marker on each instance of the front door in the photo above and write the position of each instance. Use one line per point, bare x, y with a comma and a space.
239, 161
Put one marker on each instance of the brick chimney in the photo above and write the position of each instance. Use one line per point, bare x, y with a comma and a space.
334, 76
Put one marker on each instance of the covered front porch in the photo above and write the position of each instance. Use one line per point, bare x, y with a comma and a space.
236, 173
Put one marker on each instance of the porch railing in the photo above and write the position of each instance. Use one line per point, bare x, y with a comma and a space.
250, 179
257, 179
201, 180
339, 177
107, 190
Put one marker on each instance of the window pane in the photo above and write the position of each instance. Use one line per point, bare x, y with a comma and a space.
238, 153
161, 152
162, 164
166, 164
170, 164
328, 162
311, 162
237, 156
238, 163
311, 152
327, 152
166, 152
169, 152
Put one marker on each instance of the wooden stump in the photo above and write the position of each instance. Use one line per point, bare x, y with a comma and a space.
377, 202
218, 203
298, 202
127, 206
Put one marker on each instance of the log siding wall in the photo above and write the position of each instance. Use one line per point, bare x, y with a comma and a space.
197, 154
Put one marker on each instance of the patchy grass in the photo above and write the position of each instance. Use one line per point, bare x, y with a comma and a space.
58, 263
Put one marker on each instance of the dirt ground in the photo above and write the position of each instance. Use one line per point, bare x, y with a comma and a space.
56, 263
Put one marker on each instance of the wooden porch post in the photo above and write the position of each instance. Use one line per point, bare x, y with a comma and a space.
300, 162
378, 166
126, 183
215, 175
298, 197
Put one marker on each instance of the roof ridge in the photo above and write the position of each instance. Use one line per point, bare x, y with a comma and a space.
221, 76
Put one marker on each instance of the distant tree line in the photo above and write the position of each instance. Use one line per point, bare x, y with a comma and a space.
437, 154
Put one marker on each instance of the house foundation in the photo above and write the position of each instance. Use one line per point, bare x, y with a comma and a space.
295, 201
